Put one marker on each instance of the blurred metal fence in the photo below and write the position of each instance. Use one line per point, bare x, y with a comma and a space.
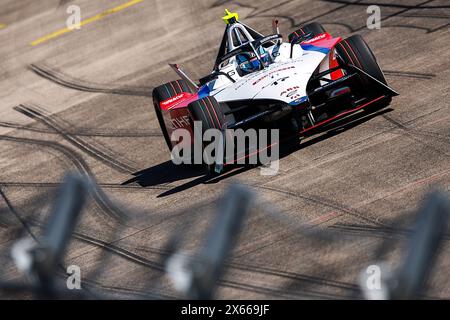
409, 280
40, 260
196, 275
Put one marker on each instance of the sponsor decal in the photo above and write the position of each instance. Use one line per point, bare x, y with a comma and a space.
299, 100
295, 95
290, 91
276, 82
319, 37
291, 94
167, 104
271, 73
180, 122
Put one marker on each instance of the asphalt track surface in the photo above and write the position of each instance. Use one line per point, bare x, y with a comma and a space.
81, 101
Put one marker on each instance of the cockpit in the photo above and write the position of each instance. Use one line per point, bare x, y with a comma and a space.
243, 48
242, 52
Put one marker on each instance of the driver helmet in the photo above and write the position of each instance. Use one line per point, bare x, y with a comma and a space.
248, 62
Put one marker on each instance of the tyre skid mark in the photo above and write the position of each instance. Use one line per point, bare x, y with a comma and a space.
16, 214
343, 210
409, 74
419, 6
101, 185
80, 85
128, 255
352, 211
88, 132
132, 293
161, 268
236, 266
389, 5
86, 147
101, 199
384, 130
4, 223
344, 4
414, 133
370, 231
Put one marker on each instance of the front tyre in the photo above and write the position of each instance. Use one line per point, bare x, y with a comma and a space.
355, 51
314, 28
163, 93
212, 115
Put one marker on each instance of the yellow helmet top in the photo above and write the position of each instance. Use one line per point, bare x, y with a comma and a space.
230, 17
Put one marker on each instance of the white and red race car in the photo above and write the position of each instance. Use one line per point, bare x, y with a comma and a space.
300, 85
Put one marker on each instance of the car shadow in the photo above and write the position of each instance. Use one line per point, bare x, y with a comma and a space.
343, 125
167, 172
164, 173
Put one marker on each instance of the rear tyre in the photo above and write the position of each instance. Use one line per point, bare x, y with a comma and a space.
315, 28
354, 50
212, 116
165, 92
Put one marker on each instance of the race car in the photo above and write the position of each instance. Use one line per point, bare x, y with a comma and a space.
299, 85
